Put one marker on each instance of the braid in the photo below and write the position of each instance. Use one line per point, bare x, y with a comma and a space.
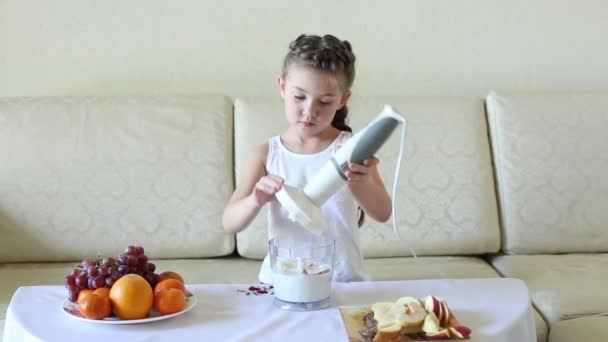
326, 53
339, 120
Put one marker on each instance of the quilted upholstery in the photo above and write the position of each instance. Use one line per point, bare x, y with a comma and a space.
85, 175
552, 170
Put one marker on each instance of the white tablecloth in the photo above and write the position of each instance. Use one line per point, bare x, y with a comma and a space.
495, 309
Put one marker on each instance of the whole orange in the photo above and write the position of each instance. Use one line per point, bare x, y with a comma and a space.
95, 307
168, 301
170, 284
170, 275
131, 297
102, 291
83, 293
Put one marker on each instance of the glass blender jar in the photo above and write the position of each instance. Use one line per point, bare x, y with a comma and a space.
301, 274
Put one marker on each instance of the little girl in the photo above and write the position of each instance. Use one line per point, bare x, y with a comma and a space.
315, 85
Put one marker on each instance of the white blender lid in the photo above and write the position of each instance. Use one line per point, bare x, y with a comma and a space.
301, 209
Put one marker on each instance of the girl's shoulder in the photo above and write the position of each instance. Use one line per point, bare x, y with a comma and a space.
260, 152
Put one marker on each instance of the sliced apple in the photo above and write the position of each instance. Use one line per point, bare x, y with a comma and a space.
411, 318
381, 308
407, 300
440, 335
386, 322
431, 324
396, 308
445, 314
433, 304
388, 333
460, 331
452, 321
429, 304
381, 313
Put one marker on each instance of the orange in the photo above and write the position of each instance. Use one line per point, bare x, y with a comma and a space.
131, 297
168, 301
169, 284
83, 293
95, 307
170, 275
102, 292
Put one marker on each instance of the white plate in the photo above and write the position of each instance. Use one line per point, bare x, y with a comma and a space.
71, 309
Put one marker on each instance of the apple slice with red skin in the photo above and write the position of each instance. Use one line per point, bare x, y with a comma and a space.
440, 335
445, 314
460, 331
431, 324
432, 304
439, 308
452, 321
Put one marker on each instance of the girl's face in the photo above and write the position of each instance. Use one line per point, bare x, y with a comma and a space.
311, 98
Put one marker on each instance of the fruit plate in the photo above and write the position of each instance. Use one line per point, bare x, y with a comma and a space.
71, 309
356, 320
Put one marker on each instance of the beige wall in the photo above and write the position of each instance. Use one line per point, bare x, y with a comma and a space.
235, 47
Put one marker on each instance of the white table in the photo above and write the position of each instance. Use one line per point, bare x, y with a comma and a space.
495, 309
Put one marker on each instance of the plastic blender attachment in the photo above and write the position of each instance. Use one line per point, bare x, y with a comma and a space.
301, 274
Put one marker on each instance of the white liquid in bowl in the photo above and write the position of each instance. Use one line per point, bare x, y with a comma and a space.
299, 281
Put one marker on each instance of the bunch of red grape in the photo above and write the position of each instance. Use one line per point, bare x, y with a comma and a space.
96, 273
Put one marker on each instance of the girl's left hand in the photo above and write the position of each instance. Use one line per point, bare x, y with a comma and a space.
361, 172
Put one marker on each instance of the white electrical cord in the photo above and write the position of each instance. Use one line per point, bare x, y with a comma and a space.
396, 182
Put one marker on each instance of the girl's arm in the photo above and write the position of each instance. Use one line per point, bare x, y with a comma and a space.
366, 185
253, 191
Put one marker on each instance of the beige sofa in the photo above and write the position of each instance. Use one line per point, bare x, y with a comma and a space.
512, 185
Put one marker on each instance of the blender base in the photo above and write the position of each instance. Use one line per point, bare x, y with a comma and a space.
311, 306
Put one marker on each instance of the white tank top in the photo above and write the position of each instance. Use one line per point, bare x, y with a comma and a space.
340, 210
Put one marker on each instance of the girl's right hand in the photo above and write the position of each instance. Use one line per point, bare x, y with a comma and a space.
265, 188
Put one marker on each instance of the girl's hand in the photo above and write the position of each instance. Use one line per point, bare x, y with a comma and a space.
265, 188
360, 173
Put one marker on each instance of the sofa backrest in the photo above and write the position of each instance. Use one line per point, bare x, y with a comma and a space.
86, 175
551, 156
445, 203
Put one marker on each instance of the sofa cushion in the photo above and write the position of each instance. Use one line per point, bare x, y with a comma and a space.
561, 286
592, 328
82, 175
552, 171
445, 203
432, 267
542, 331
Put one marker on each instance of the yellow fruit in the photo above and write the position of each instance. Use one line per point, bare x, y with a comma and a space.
131, 297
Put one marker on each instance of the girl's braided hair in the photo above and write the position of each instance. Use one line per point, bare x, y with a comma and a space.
326, 53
